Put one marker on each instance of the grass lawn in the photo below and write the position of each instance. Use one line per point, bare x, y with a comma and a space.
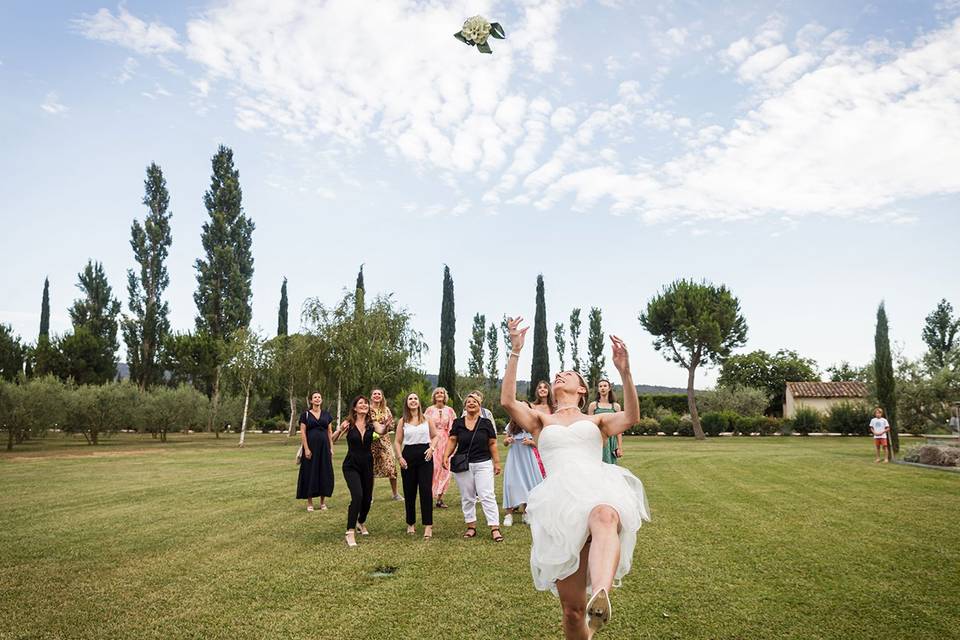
751, 538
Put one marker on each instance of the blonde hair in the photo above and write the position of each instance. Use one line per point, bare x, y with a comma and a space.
582, 401
446, 396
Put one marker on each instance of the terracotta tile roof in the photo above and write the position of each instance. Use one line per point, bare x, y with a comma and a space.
828, 389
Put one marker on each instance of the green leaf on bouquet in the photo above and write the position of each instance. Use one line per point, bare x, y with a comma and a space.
459, 36
484, 48
497, 31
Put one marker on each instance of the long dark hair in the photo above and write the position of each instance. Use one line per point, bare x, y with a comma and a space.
611, 398
550, 401
353, 410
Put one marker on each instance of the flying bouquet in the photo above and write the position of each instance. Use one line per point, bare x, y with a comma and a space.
477, 30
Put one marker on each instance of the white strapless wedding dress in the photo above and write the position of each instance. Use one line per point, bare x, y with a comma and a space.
558, 508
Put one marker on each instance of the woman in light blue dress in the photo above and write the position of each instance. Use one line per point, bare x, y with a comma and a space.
521, 473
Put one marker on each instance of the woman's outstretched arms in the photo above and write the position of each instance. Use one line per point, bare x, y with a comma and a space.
520, 414
613, 424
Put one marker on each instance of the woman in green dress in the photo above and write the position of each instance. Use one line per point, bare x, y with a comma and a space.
606, 403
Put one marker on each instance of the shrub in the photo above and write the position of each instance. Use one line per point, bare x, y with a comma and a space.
806, 421
717, 422
744, 401
685, 428
646, 427
670, 423
849, 419
674, 402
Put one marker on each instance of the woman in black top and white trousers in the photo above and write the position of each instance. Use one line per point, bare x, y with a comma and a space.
476, 437
358, 464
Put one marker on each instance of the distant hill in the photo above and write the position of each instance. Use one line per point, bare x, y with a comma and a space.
523, 385
123, 373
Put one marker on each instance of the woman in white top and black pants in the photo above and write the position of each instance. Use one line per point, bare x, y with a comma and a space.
414, 445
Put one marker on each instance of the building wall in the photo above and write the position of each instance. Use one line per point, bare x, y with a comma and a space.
822, 405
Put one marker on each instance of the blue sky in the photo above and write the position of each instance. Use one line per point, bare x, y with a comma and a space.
803, 153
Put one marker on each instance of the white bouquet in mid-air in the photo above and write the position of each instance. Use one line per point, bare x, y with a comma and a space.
477, 30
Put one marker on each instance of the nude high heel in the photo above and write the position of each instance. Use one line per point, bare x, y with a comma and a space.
599, 611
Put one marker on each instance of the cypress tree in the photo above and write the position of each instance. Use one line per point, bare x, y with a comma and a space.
477, 336
359, 294
147, 328
447, 376
224, 274
883, 368
540, 368
282, 314
595, 349
45, 310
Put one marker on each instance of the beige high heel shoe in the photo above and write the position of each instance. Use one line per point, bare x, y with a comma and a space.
351, 539
599, 610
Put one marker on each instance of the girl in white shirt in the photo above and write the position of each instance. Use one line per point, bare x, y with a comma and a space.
879, 427
414, 445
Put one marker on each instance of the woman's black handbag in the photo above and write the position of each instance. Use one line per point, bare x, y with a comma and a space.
460, 462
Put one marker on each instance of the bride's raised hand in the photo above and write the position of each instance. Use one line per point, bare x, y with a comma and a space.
517, 335
621, 359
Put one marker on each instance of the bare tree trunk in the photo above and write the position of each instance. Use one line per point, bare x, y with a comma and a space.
243, 422
338, 403
215, 405
692, 403
10, 438
293, 410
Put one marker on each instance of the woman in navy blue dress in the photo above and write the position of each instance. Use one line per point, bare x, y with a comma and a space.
359, 429
316, 463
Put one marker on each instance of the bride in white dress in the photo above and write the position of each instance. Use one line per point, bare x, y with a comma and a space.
584, 516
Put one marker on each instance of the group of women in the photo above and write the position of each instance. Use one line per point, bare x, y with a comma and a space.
425, 473
583, 509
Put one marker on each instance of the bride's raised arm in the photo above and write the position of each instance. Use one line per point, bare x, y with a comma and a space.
520, 414
612, 424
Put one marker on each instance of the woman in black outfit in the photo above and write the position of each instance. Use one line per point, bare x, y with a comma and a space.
358, 464
316, 463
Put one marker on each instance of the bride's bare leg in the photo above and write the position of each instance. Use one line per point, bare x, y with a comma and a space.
573, 598
604, 547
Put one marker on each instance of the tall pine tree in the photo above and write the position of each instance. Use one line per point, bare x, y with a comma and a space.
493, 346
45, 310
282, 313
597, 361
145, 330
575, 340
540, 368
883, 369
558, 336
447, 376
94, 313
225, 273
477, 336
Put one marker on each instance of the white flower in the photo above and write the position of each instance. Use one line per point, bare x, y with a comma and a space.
476, 29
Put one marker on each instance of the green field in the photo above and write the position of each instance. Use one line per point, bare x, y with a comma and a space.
751, 538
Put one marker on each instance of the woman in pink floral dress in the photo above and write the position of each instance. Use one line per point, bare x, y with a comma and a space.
443, 416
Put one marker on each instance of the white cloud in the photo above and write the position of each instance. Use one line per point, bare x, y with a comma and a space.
866, 128
128, 31
52, 105
129, 70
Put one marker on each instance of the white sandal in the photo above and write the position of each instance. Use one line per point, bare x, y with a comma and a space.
599, 610
309, 508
